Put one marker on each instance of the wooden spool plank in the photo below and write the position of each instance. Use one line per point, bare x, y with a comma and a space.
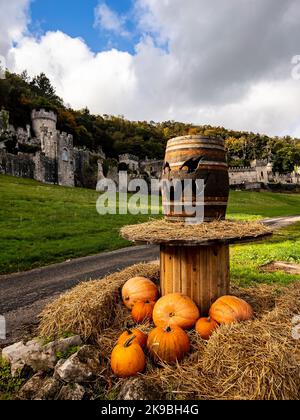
202, 273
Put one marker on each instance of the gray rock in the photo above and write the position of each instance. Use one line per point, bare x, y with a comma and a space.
31, 388
63, 344
39, 359
34, 354
59, 364
49, 390
81, 367
71, 392
139, 389
14, 355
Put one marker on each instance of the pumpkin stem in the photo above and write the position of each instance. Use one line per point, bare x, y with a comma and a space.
129, 341
128, 327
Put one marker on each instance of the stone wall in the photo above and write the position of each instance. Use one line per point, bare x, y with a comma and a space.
239, 176
45, 169
152, 167
20, 165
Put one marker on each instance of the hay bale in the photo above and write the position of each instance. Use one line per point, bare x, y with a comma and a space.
90, 307
256, 360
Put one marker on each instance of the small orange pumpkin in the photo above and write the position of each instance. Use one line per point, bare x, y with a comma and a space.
140, 337
168, 344
142, 311
128, 359
205, 327
229, 309
175, 309
139, 289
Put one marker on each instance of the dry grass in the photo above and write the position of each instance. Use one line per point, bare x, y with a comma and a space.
159, 231
253, 360
257, 360
90, 307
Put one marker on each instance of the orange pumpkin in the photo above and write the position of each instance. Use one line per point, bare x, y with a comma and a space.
140, 337
168, 344
175, 309
205, 327
229, 309
139, 289
128, 359
142, 311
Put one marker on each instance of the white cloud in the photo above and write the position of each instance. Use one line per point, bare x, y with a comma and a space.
101, 81
14, 20
226, 63
106, 18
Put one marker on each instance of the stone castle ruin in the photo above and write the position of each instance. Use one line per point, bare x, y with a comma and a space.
51, 157
261, 173
54, 161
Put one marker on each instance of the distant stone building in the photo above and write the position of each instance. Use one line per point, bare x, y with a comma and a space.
128, 162
152, 167
261, 173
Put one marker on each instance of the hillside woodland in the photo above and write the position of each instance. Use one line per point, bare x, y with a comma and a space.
19, 94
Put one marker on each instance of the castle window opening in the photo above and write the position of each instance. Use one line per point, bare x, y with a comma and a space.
65, 155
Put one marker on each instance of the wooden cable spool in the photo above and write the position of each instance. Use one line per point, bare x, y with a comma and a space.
200, 272
199, 269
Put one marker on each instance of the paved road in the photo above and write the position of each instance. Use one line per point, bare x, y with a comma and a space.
281, 222
23, 295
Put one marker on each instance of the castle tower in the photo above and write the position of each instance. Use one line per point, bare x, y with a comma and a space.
44, 127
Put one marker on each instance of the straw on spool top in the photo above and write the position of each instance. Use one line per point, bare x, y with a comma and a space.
162, 231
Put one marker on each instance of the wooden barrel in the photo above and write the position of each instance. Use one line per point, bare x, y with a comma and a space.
197, 158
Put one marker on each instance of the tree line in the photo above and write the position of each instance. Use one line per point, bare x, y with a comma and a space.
19, 94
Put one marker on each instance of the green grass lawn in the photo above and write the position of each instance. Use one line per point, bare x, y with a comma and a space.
42, 224
246, 260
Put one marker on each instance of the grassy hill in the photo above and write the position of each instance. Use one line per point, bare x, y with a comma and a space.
42, 224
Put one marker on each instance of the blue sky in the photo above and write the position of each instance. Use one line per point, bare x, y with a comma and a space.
76, 18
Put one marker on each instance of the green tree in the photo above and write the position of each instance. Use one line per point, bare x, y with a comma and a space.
43, 87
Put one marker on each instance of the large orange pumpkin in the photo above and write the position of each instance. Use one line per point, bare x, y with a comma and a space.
142, 311
140, 337
205, 327
168, 344
229, 309
175, 309
139, 289
128, 359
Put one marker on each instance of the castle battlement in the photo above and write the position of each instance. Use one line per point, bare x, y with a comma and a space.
127, 157
43, 114
242, 169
